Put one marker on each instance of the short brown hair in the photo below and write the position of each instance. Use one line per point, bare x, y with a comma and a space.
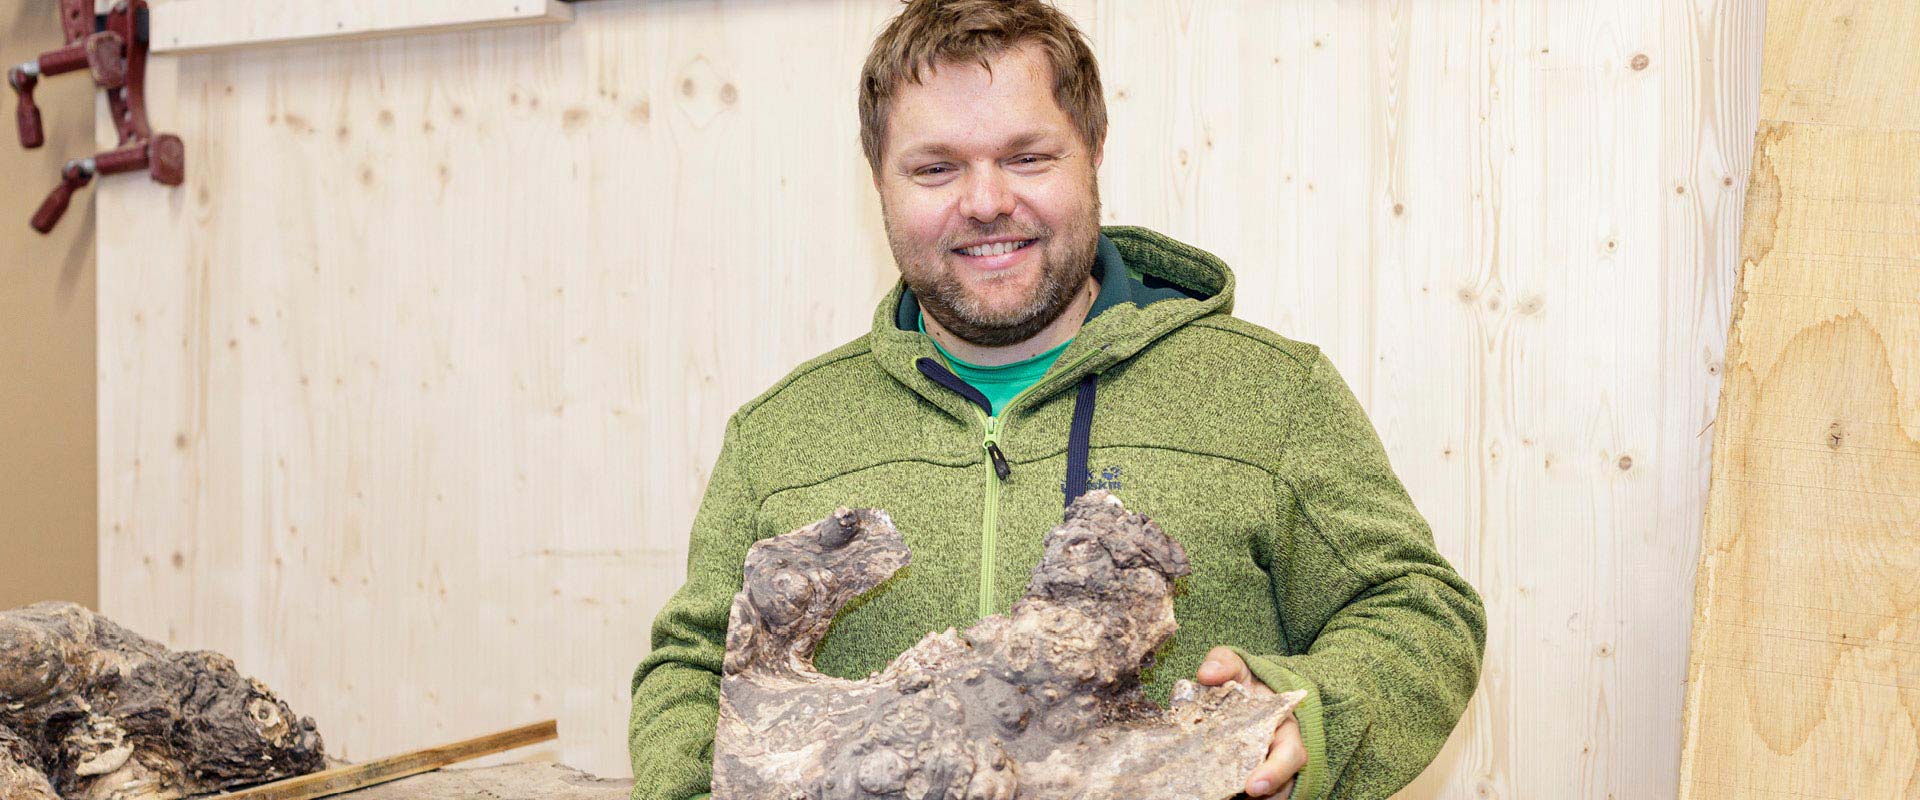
932, 32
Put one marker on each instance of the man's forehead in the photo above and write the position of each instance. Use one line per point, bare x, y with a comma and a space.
1025, 61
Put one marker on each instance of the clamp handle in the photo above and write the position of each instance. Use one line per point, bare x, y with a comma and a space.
73, 177
27, 114
104, 54
164, 158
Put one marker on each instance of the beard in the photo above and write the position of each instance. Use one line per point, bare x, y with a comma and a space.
1066, 263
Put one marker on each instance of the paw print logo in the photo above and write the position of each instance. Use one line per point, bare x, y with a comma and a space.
1110, 474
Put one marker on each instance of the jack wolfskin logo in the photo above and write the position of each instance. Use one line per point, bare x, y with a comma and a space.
1107, 478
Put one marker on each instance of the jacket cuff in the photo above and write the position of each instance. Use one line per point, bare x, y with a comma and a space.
1312, 782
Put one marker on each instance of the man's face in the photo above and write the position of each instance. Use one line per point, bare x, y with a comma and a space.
970, 158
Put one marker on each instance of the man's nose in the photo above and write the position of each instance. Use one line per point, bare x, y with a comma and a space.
988, 197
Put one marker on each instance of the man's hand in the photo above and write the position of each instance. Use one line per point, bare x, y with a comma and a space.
1287, 754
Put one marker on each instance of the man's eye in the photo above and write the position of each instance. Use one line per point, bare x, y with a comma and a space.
1029, 159
931, 170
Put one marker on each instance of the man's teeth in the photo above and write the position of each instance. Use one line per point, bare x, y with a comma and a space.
999, 249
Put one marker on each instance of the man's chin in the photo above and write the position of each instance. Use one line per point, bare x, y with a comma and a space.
958, 267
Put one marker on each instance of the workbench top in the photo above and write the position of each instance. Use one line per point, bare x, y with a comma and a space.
525, 781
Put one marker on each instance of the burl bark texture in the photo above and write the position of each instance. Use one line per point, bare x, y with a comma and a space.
1043, 703
92, 711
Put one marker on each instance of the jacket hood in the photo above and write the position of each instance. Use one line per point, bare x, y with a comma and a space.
1124, 319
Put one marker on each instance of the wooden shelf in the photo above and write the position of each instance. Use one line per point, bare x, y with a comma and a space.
203, 26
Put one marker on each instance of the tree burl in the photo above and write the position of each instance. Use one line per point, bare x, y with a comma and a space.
1042, 703
92, 711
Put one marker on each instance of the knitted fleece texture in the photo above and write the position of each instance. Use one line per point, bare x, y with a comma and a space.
1308, 556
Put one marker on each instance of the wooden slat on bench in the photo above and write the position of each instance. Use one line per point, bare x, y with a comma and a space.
359, 776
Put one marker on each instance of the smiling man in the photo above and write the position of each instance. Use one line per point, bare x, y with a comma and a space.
1028, 355
993, 214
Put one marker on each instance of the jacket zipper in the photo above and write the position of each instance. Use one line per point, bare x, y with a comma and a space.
998, 471
989, 522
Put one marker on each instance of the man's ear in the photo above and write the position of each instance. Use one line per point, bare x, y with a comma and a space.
1099, 152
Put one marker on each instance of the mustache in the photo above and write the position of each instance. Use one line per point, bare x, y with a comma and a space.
994, 232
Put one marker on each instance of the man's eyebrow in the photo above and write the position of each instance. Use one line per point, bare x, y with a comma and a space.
942, 150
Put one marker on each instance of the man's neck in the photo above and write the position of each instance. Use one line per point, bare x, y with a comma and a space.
1063, 327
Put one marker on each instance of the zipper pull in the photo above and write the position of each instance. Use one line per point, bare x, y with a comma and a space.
1000, 466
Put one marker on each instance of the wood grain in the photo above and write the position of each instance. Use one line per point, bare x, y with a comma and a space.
1807, 620
379, 423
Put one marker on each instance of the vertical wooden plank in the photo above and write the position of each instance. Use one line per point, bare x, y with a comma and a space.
1801, 681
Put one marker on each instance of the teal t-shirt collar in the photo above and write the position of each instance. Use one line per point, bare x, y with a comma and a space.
964, 367
1003, 382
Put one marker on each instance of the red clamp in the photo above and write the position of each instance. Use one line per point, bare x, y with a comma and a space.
113, 50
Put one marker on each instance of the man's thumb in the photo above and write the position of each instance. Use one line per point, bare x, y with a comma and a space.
1223, 665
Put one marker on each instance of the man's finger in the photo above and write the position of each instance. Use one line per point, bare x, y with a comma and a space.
1222, 666
1285, 758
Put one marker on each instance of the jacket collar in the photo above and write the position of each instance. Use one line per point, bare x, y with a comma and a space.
1117, 327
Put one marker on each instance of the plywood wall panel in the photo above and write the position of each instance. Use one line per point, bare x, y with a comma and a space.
422, 371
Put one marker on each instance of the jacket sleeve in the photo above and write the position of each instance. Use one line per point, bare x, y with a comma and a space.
676, 689
1383, 634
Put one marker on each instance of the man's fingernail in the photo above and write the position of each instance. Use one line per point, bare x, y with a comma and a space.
1211, 666
1261, 787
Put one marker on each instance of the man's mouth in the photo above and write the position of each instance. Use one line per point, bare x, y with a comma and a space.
996, 249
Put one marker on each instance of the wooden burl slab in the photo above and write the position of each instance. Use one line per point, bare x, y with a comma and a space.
92, 711
1042, 703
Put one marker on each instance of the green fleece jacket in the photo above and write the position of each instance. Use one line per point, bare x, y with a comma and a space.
1308, 556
